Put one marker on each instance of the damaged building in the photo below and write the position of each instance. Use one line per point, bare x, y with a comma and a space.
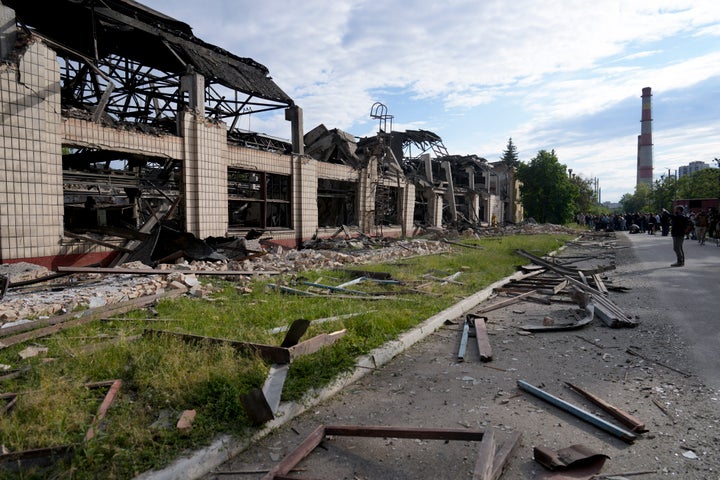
119, 128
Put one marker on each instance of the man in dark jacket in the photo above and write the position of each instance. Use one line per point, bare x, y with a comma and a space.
679, 224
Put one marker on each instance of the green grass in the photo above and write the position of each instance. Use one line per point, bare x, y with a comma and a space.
163, 375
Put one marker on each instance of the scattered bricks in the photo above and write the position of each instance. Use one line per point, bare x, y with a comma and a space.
184, 424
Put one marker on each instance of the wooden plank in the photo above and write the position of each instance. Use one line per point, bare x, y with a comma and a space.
483, 342
485, 461
11, 401
560, 287
503, 454
463, 340
504, 303
599, 284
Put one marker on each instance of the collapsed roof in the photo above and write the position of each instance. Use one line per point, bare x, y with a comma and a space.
112, 33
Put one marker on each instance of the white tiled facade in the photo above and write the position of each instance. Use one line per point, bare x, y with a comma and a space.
33, 133
31, 197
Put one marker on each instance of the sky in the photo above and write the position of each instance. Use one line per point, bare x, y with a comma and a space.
562, 75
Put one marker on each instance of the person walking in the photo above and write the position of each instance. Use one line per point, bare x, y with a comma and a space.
679, 224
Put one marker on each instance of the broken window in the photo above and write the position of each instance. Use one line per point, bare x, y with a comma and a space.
422, 214
336, 203
114, 193
386, 206
258, 199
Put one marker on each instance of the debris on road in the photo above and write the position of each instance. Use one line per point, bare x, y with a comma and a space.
576, 461
618, 432
488, 453
623, 416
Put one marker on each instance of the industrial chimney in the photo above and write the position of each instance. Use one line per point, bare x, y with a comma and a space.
645, 144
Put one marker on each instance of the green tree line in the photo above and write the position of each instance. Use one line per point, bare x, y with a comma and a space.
661, 193
553, 194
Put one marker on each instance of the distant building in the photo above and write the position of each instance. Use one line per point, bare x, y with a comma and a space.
692, 168
611, 205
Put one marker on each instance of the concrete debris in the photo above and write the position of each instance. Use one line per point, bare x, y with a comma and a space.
32, 351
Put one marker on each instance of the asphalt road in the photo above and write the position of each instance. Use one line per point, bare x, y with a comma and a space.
426, 386
688, 297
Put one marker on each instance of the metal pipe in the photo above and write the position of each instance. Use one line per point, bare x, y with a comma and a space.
621, 433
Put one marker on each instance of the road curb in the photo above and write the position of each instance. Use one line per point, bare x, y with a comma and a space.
205, 460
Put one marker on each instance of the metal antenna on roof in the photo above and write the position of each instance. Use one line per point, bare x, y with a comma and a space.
379, 111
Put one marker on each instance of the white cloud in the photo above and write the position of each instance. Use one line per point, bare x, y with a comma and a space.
525, 69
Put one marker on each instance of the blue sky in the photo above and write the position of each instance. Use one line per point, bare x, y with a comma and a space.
552, 74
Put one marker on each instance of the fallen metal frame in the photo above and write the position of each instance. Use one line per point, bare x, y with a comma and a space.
271, 353
490, 463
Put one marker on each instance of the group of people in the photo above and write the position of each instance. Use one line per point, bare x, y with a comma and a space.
680, 226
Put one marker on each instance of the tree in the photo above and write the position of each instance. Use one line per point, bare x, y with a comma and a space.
640, 201
585, 201
547, 192
510, 155
701, 184
662, 193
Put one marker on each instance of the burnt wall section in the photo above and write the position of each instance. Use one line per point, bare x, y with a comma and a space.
31, 196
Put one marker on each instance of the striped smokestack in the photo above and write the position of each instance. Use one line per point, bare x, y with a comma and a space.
645, 144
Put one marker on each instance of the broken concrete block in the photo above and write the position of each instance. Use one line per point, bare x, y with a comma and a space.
97, 301
32, 351
191, 281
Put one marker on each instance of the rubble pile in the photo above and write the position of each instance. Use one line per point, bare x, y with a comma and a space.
83, 291
337, 253
90, 290
525, 228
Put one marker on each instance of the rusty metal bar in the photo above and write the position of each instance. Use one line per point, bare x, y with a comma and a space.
623, 416
302, 450
104, 406
404, 432
481, 337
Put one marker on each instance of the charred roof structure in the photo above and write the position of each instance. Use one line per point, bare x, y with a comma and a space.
123, 62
